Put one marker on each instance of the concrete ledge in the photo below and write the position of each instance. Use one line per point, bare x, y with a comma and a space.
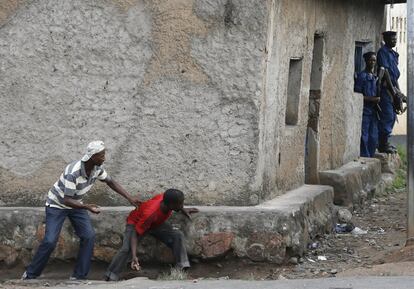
354, 181
271, 232
390, 163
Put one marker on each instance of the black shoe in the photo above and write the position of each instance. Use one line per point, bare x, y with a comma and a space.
386, 150
391, 146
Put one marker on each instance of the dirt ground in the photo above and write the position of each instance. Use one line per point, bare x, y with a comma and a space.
384, 217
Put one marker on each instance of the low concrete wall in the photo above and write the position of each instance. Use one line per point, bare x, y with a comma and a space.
354, 182
271, 232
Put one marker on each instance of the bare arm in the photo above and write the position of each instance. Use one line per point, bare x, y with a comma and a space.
187, 211
134, 263
385, 77
379, 82
135, 201
70, 202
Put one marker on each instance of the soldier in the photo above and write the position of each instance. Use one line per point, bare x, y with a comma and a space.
387, 59
366, 83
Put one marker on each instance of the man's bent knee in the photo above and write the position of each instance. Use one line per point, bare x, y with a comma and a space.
49, 243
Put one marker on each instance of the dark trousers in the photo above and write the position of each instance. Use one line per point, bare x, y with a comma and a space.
174, 239
369, 133
81, 222
387, 120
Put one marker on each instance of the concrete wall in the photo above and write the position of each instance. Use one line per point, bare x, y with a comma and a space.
185, 93
172, 88
271, 232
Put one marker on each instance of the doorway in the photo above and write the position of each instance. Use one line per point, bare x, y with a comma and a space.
312, 131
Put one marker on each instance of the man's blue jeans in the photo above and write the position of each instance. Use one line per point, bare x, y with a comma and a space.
81, 222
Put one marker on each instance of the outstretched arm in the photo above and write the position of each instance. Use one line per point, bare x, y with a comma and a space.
70, 202
187, 211
389, 83
135, 201
134, 263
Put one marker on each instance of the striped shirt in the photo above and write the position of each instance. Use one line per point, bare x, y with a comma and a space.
73, 182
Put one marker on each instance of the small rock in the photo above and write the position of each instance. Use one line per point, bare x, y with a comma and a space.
344, 216
301, 260
219, 265
281, 277
372, 242
293, 260
333, 271
224, 278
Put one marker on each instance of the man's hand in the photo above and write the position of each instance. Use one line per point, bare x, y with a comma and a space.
135, 201
93, 208
403, 97
189, 211
135, 264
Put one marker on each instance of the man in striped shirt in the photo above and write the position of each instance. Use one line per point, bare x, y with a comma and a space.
65, 200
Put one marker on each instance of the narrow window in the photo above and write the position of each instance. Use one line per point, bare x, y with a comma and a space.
293, 91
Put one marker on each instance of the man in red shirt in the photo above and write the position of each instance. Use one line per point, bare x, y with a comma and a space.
150, 218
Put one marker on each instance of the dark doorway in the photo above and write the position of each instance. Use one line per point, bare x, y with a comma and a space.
312, 132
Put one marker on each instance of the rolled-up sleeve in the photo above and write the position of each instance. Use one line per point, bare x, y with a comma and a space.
383, 59
359, 84
103, 175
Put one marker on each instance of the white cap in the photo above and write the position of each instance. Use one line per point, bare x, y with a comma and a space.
93, 148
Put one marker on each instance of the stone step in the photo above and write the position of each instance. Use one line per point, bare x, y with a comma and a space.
354, 182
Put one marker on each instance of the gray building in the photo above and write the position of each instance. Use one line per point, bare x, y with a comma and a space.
232, 101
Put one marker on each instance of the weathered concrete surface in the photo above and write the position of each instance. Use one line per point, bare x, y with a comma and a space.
172, 87
390, 163
354, 182
270, 232
185, 93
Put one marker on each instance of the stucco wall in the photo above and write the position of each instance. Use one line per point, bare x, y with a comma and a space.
171, 87
185, 93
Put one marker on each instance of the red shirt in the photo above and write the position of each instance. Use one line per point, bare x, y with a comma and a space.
148, 215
